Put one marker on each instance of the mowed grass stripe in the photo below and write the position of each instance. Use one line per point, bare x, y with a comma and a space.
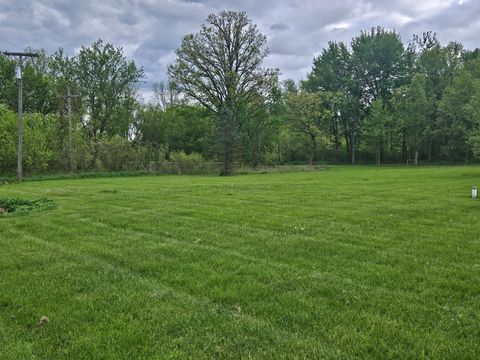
247, 231
108, 264
355, 282
120, 269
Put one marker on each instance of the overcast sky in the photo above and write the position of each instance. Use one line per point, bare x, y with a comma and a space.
150, 30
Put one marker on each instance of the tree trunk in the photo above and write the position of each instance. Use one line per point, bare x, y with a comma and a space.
336, 135
227, 168
352, 145
430, 149
404, 147
227, 158
258, 159
227, 139
96, 152
416, 157
279, 152
347, 137
314, 150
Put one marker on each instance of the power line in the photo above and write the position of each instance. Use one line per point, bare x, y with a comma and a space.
11, 43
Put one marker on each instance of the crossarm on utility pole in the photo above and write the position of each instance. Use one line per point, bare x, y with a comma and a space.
23, 54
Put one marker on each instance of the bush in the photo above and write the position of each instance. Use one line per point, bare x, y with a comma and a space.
21, 206
474, 142
116, 154
39, 141
193, 163
182, 163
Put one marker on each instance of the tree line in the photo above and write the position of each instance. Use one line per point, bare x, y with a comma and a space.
373, 100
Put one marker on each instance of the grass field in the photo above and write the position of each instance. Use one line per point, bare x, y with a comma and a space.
349, 262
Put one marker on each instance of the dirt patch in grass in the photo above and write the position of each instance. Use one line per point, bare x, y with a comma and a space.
10, 206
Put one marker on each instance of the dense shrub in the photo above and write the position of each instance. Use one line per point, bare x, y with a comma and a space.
116, 154
45, 148
39, 141
22, 206
193, 163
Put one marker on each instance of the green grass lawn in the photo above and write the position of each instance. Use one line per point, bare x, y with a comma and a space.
349, 262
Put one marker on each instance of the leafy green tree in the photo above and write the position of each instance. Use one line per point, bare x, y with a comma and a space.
379, 62
289, 86
178, 128
37, 88
221, 67
309, 115
8, 141
375, 130
438, 66
259, 129
39, 141
62, 70
106, 83
411, 110
473, 111
190, 129
455, 121
332, 71
166, 94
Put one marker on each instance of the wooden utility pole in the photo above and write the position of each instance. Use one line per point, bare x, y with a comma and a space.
69, 116
19, 76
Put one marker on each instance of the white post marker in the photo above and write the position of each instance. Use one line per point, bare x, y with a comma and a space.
474, 192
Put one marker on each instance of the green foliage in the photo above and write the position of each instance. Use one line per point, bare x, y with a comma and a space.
39, 140
8, 148
370, 98
293, 148
473, 111
375, 130
8, 206
331, 70
456, 120
261, 122
473, 140
411, 109
106, 83
220, 67
116, 154
378, 60
178, 128
310, 116
39, 96
192, 163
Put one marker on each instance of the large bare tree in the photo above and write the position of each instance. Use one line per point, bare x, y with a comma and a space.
221, 67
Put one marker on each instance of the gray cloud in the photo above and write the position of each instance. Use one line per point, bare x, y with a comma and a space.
150, 30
